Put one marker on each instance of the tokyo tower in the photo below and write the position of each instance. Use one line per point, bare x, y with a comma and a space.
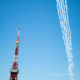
14, 70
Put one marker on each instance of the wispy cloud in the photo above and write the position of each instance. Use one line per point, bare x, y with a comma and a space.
64, 22
58, 74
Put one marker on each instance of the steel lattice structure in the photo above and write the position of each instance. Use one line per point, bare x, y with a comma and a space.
14, 70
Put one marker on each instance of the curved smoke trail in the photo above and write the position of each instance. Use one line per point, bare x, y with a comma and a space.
64, 22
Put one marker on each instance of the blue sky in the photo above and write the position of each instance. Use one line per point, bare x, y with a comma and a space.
42, 54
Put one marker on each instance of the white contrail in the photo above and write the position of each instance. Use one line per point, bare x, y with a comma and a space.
64, 22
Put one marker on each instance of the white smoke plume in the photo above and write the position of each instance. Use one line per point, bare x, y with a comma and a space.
64, 22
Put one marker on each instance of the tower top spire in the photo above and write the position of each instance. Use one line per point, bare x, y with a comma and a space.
18, 34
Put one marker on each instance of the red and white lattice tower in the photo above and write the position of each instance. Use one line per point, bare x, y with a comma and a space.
14, 70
